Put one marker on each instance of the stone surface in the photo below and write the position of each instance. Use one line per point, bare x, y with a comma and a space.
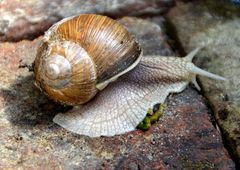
206, 24
184, 138
28, 19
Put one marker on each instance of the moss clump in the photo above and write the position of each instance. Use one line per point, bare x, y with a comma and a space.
188, 164
152, 116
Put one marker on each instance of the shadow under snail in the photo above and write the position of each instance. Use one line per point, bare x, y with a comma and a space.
93, 61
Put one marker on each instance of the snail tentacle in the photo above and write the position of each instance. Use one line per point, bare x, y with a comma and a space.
189, 57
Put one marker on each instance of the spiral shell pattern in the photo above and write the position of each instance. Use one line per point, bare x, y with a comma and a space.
81, 52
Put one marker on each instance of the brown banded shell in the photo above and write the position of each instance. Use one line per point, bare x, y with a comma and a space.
80, 55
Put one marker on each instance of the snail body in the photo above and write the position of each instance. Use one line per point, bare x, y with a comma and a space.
89, 54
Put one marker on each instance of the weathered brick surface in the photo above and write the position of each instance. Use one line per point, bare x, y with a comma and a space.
28, 19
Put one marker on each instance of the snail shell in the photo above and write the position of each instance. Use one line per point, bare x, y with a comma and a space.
81, 55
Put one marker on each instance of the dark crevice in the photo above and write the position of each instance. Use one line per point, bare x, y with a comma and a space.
175, 42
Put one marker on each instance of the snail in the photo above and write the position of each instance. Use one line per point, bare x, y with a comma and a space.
94, 62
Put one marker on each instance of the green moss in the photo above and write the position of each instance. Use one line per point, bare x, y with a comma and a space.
151, 117
221, 8
188, 164
230, 130
145, 124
